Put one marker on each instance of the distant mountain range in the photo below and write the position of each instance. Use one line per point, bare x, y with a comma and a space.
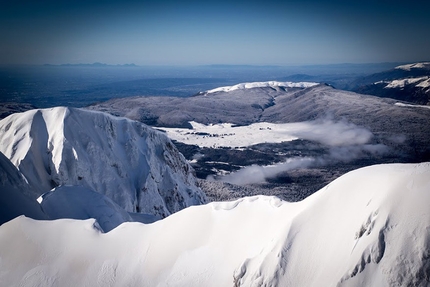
96, 64
409, 83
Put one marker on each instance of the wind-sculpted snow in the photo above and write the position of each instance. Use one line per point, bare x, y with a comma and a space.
132, 164
367, 228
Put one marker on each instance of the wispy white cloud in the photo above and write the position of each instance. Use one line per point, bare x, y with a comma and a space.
333, 133
256, 174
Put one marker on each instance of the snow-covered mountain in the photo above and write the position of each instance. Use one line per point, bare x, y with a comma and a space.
369, 227
409, 82
133, 165
241, 104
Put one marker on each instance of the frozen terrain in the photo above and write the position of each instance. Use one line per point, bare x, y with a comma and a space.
369, 227
133, 165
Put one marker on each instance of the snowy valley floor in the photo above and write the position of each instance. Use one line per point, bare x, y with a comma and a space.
369, 227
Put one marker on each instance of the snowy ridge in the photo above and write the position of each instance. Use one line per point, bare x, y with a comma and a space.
408, 67
367, 228
133, 165
422, 82
269, 84
412, 106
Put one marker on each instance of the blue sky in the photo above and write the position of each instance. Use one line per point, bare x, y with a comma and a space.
213, 32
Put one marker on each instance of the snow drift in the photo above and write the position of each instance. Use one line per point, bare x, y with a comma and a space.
132, 164
369, 227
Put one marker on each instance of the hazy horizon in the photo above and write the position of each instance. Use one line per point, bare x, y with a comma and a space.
131, 64
193, 33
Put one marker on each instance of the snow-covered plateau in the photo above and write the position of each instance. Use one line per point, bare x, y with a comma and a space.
229, 135
132, 164
369, 227
268, 84
408, 67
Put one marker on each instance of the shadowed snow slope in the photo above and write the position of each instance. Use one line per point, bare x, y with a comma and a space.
78, 202
15, 194
369, 227
132, 164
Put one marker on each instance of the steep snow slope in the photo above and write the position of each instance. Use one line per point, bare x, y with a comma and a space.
134, 165
15, 194
367, 228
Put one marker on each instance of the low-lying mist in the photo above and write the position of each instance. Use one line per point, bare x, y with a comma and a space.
346, 142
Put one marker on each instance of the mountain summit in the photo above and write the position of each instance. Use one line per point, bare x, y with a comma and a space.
132, 164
